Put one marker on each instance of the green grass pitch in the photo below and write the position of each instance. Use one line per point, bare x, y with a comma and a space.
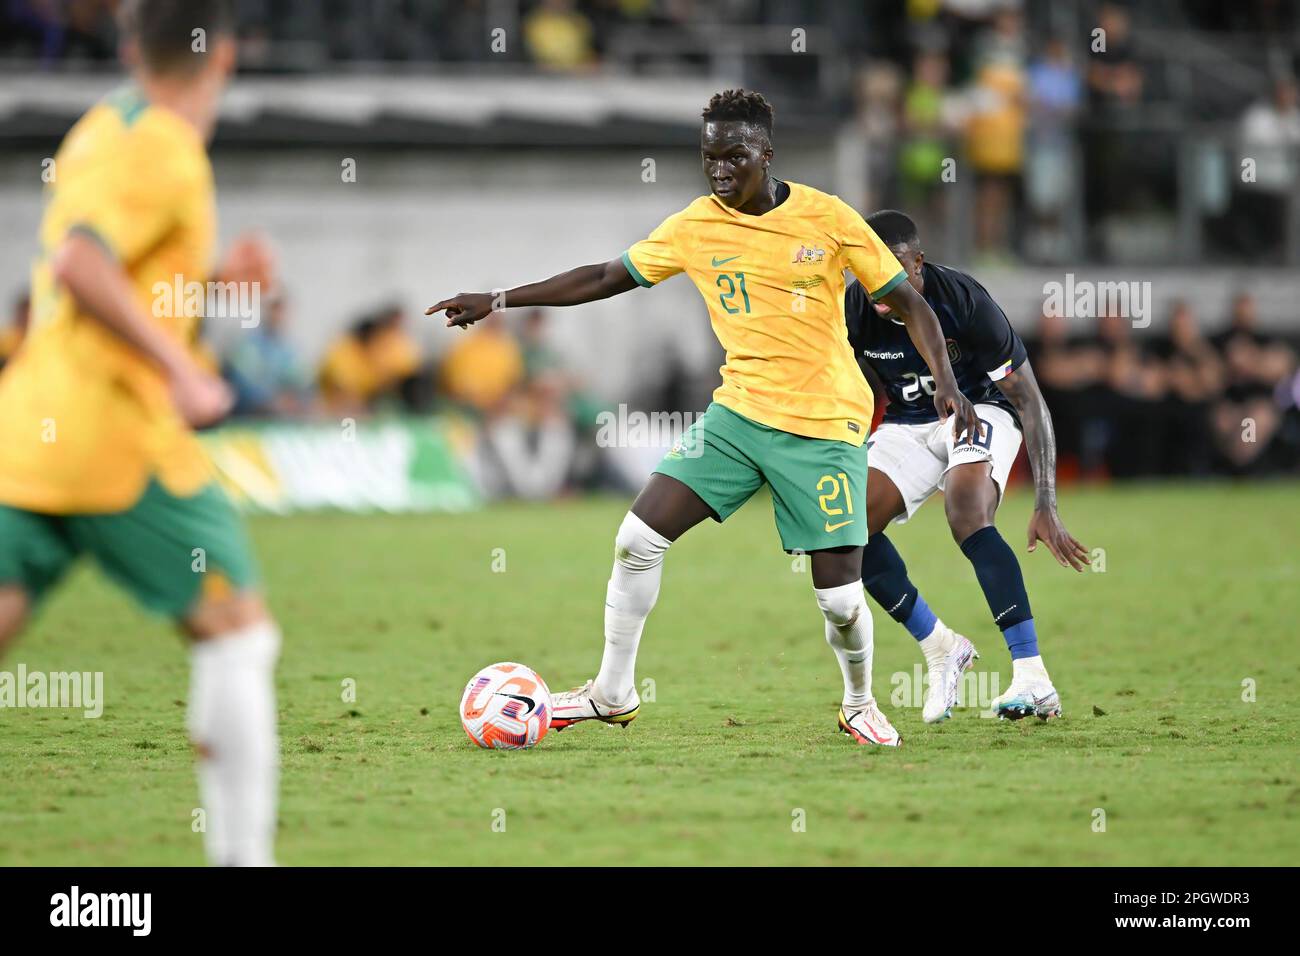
737, 759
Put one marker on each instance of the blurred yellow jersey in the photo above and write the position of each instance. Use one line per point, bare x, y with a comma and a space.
774, 285
86, 419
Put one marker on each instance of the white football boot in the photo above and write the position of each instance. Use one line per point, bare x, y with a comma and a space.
867, 725
945, 672
1031, 693
579, 704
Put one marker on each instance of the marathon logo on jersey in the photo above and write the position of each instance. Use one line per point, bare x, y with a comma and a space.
808, 256
869, 353
133, 910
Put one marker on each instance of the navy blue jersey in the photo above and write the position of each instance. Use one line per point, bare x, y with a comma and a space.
982, 346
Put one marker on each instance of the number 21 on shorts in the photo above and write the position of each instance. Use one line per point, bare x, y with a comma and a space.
830, 487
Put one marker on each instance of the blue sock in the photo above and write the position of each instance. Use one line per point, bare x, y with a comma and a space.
1022, 640
999, 575
885, 577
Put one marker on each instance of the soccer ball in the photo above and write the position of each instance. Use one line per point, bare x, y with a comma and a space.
506, 707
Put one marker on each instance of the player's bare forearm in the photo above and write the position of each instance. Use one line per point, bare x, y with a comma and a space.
583, 284
1021, 389
925, 332
103, 290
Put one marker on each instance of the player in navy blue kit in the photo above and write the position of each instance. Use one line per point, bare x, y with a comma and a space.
913, 454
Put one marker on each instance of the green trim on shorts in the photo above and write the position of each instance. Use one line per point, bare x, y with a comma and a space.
819, 485
164, 550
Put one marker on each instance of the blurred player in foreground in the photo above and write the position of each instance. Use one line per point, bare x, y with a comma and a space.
913, 455
97, 455
792, 411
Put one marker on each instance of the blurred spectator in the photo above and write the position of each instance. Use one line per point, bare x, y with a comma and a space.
1115, 79
1130, 406
925, 140
1270, 135
1055, 93
376, 360
265, 371
1066, 371
528, 444
559, 37
1256, 366
1193, 378
994, 137
880, 117
483, 367
12, 334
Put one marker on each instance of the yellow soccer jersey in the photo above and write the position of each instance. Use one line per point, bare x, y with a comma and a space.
774, 285
85, 420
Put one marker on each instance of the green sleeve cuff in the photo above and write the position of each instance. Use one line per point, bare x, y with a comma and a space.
91, 232
632, 271
889, 286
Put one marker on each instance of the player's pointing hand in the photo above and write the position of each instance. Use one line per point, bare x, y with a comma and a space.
463, 310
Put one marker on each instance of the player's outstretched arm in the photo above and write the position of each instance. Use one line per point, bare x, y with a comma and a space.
583, 284
103, 290
1021, 388
926, 333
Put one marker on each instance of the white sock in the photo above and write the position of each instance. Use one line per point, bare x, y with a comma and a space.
937, 645
232, 718
1030, 669
629, 598
849, 633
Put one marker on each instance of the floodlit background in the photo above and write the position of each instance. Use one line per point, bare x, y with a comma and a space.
399, 152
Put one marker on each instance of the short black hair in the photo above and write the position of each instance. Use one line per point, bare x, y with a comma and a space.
743, 106
894, 228
164, 30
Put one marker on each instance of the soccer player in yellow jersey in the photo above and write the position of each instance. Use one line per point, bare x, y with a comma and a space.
792, 411
97, 455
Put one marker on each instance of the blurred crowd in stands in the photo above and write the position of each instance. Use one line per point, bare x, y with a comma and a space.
1180, 403
1126, 404
1082, 141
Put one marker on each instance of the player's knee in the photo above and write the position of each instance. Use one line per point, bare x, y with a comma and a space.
213, 617
967, 510
637, 546
963, 524
842, 606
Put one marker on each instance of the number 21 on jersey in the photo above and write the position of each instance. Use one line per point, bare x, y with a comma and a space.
727, 296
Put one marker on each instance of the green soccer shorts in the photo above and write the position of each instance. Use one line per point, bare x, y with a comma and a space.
166, 551
819, 485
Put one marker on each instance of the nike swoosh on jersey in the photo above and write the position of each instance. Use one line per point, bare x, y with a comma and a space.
721, 262
835, 527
